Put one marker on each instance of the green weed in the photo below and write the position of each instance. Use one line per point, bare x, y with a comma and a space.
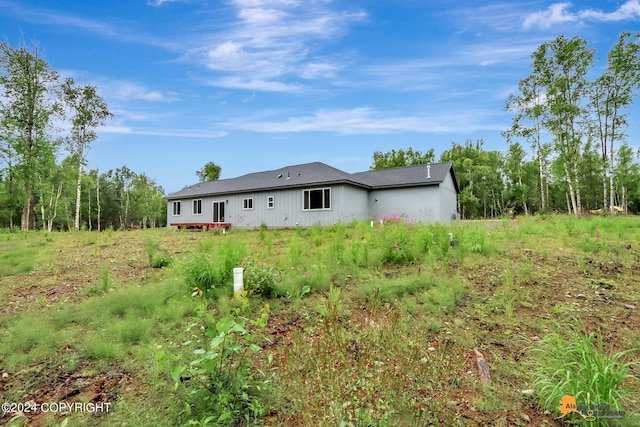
17, 259
261, 279
295, 252
444, 296
399, 242
224, 389
571, 362
106, 281
158, 258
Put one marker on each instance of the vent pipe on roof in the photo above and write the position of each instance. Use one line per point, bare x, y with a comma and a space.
428, 171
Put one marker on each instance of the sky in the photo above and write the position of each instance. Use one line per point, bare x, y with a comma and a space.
256, 85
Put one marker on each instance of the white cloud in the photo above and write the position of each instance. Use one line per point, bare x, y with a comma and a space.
559, 13
131, 91
320, 69
162, 132
556, 14
227, 56
158, 3
367, 121
273, 42
629, 10
260, 85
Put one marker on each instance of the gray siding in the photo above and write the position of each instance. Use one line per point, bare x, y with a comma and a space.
348, 203
448, 200
420, 204
372, 194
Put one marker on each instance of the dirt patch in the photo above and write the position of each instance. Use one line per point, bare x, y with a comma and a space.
490, 224
119, 258
93, 394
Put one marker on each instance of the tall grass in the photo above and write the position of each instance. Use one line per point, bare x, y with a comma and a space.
101, 328
571, 362
406, 243
212, 265
21, 253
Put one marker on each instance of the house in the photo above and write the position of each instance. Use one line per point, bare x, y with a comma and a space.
315, 193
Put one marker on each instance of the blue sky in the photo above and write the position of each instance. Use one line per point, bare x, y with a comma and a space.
259, 84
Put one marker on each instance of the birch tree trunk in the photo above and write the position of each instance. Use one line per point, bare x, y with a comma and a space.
98, 197
78, 189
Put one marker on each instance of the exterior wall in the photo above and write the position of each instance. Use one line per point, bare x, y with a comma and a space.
348, 203
448, 200
421, 204
186, 211
434, 203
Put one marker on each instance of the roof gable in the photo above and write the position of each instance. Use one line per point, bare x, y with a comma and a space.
408, 176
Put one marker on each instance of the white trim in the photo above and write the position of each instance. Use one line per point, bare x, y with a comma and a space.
173, 208
324, 201
193, 207
224, 210
247, 204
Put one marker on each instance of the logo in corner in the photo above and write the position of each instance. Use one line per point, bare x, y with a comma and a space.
568, 405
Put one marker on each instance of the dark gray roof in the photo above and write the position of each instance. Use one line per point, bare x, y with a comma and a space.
303, 175
408, 176
317, 174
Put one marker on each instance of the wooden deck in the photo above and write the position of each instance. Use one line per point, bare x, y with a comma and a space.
205, 226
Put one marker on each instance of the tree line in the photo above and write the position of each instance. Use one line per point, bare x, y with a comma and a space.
492, 181
575, 127
43, 184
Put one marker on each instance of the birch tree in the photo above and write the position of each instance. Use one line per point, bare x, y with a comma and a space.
88, 111
562, 66
529, 107
514, 170
27, 109
610, 95
627, 177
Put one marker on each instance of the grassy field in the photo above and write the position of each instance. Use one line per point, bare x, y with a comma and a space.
481, 323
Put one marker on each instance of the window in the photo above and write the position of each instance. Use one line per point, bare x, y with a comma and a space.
197, 207
270, 202
318, 199
176, 208
247, 204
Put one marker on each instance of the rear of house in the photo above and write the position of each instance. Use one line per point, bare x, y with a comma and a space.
316, 194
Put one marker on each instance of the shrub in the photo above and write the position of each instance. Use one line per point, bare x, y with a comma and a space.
398, 241
261, 279
225, 391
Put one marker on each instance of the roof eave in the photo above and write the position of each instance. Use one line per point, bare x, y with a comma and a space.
264, 189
